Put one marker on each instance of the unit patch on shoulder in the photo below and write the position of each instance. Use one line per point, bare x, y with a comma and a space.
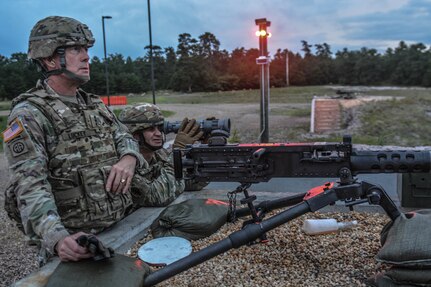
13, 130
18, 147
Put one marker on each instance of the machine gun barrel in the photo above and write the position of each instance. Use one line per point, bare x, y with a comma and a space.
402, 161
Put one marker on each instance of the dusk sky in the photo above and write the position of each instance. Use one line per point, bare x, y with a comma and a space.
342, 24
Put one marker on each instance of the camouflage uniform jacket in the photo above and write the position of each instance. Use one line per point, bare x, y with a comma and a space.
59, 155
156, 185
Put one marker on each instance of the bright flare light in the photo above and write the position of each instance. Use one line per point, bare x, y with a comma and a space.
263, 33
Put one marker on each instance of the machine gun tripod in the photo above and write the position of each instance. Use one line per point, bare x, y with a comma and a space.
351, 191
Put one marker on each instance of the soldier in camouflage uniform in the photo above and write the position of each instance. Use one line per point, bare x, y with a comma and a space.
71, 160
156, 185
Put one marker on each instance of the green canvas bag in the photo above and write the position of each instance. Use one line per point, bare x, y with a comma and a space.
116, 271
191, 219
407, 240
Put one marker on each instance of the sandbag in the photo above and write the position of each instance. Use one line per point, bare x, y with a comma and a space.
407, 240
381, 280
117, 271
191, 219
417, 277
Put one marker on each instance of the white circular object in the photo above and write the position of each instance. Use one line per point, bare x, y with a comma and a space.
164, 250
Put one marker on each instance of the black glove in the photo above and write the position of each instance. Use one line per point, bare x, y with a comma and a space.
95, 246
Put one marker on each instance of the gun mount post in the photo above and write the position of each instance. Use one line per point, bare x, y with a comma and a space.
248, 199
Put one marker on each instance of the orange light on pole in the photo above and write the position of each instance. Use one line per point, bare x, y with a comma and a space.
263, 35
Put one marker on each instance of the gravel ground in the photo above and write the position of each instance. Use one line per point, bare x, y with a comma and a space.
17, 259
291, 258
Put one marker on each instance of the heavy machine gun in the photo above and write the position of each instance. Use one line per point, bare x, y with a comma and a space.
253, 163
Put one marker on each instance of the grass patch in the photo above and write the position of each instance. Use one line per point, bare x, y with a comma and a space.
167, 114
404, 122
5, 106
117, 112
277, 95
3, 123
234, 138
401, 92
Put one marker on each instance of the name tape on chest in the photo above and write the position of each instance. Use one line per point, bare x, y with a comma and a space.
13, 130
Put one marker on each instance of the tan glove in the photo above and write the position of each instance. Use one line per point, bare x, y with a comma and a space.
188, 133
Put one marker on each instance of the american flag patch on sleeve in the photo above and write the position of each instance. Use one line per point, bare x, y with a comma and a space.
13, 130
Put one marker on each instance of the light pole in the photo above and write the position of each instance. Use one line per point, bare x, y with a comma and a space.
106, 62
263, 62
151, 54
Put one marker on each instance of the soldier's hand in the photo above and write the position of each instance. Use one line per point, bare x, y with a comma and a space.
121, 174
188, 133
69, 250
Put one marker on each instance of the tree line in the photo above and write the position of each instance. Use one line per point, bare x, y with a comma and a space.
200, 65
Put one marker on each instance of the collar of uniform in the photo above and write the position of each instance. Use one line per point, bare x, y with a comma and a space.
70, 99
44, 85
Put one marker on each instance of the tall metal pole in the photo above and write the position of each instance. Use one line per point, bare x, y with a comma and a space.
263, 61
105, 60
287, 68
153, 88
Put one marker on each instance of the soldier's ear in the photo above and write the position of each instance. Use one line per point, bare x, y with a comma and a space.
49, 62
136, 135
